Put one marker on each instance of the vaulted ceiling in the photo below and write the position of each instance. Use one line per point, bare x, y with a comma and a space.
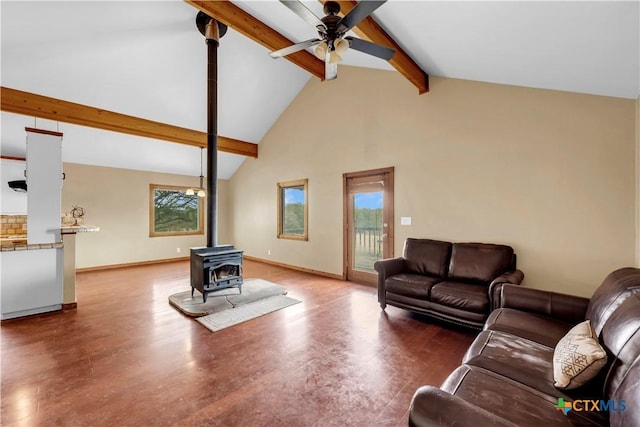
148, 60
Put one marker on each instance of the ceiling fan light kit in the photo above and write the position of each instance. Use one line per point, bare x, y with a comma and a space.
332, 28
321, 50
341, 46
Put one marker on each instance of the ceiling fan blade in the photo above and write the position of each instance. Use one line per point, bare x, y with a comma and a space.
363, 9
382, 52
294, 48
303, 12
330, 70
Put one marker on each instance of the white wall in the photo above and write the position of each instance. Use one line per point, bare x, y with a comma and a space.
12, 202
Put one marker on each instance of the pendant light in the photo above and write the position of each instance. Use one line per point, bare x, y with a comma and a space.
200, 191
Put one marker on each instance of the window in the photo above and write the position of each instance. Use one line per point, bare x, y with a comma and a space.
292, 210
173, 213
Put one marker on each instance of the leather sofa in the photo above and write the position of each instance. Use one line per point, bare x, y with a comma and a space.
506, 376
456, 282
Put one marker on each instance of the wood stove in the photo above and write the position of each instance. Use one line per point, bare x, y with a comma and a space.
215, 268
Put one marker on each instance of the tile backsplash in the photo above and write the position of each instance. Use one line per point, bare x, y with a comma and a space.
13, 225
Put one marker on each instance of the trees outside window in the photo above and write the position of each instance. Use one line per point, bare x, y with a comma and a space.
174, 213
292, 210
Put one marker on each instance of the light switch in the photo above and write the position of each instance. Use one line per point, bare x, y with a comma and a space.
405, 220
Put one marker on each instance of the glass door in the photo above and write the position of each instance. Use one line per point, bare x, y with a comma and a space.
368, 222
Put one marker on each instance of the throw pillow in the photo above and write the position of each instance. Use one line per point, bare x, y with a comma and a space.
578, 357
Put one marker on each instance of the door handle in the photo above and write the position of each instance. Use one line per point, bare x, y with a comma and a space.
385, 235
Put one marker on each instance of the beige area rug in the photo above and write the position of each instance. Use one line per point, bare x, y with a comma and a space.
252, 290
223, 319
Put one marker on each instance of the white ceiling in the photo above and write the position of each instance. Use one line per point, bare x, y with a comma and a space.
147, 59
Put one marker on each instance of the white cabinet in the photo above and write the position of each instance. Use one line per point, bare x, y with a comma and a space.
31, 282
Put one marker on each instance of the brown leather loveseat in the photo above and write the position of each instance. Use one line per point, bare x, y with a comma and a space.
507, 375
456, 282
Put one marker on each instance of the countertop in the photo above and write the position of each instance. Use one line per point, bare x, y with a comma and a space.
19, 243
72, 229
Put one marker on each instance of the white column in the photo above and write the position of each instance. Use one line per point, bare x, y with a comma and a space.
44, 185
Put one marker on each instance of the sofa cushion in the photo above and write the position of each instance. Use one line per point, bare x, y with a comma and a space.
466, 296
513, 401
411, 285
425, 256
578, 357
448, 411
520, 359
479, 262
541, 329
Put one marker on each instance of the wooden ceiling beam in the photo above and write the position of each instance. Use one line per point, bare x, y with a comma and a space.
30, 104
22, 159
236, 18
369, 29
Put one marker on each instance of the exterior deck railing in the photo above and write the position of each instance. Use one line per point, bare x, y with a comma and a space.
368, 240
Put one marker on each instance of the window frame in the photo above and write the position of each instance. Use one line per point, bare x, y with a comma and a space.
177, 188
281, 186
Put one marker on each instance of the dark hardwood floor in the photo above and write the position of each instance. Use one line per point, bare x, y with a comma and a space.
125, 357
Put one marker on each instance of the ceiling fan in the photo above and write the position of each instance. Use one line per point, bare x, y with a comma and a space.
332, 43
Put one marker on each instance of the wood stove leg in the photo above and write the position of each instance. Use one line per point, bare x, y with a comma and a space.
204, 296
192, 289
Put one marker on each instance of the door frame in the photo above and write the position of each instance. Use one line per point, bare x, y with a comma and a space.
387, 212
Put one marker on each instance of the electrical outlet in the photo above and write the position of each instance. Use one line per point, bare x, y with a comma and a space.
269, 252
178, 250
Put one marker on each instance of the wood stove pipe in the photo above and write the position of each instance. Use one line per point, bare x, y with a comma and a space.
212, 31
212, 36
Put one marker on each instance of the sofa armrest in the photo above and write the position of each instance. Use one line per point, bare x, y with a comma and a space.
568, 308
386, 268
514, 277
390, 266
431, 406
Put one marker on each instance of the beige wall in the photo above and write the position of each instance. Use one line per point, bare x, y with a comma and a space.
638, 182
550, 173
117, 200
